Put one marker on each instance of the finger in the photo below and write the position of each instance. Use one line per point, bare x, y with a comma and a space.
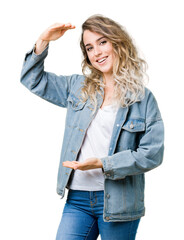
69, 26
66, 28
59, 26
75, 162
68, 164
77, 165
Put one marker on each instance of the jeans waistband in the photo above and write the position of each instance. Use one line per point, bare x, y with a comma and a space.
85, 194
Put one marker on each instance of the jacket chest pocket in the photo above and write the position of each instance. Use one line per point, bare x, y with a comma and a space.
130, 135
134, 125
75, 103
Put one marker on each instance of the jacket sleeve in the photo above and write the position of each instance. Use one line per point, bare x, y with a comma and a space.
46, 85
147, 156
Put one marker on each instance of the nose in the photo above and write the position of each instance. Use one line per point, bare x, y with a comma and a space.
97, 51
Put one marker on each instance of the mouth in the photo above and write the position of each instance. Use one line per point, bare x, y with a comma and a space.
101, 60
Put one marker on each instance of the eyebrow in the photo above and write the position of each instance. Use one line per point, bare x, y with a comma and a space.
88, 44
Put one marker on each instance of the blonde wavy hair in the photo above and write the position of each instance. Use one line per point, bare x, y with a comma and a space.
129, 70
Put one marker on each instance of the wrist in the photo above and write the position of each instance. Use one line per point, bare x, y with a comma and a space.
40, 46
100, 163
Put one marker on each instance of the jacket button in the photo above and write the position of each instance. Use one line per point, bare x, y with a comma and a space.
107, 218
108, 196
131, 126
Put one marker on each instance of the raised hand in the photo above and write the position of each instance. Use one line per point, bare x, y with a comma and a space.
55, 31
52, 33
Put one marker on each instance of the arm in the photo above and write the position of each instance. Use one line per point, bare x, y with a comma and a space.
47, 85
149, 153
147, 156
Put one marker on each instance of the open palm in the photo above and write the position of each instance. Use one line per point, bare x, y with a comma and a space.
90, 163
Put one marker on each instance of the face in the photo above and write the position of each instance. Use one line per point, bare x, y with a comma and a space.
99, 51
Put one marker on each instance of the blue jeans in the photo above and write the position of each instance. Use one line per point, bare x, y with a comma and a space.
82, 219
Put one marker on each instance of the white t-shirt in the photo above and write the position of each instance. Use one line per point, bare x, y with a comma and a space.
96, 144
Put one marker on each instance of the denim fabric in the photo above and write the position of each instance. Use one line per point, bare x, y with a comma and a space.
136, 145
83, 219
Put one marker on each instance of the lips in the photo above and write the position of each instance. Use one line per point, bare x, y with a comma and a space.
101, 60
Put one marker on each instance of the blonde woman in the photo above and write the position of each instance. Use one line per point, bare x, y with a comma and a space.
114, 131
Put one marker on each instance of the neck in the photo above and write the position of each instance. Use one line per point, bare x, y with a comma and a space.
108, 79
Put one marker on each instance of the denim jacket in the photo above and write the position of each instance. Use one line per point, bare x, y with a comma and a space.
136, 145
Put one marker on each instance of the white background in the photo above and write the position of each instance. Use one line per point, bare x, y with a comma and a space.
32, 129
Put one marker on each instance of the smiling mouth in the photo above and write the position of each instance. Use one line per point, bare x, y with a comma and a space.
102, 60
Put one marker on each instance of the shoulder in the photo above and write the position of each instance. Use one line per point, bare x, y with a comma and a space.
77, 82
147, 97
151, 106
77, 79
147, 108
148, 93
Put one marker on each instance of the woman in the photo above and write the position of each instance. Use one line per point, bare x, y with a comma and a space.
113, 134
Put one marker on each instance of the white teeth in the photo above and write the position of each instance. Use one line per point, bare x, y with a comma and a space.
101, 60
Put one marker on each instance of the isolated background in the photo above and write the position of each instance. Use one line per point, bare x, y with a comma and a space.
31, 129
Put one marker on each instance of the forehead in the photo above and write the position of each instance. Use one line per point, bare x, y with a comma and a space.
90, 37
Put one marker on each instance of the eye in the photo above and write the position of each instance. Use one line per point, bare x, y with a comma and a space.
89, 49
103, 42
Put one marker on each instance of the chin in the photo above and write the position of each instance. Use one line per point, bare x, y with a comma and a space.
107, 72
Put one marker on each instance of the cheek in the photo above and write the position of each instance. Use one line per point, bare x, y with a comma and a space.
114, 57
92, 61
